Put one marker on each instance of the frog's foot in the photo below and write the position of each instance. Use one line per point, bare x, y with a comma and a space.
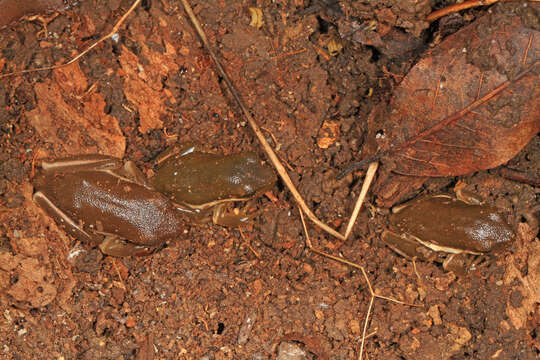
115, 246
235, 217
462, 264
44, 20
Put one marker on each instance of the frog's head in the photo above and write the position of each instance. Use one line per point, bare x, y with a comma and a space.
250, 177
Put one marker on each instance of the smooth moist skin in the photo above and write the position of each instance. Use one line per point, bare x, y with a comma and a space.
96, 200
447, 229
448, 222
197, 181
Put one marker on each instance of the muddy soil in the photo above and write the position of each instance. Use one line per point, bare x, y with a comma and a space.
254, 292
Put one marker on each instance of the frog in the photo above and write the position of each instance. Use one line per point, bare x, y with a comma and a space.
447, 228
201, 183
108, 202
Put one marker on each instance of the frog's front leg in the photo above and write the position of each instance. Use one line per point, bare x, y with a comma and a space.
462, 264
235, 217
176, 149
466, 196
220, 215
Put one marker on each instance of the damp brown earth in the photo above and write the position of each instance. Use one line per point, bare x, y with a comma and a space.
254, 292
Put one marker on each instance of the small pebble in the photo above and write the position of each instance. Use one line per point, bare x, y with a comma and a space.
130, 322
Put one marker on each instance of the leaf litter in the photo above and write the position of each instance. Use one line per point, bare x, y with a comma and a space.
471, 103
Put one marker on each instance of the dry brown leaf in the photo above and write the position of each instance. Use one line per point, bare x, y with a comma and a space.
72, 119
528, 284
472, 102
146, 350
143, 85
34, 286
328, 134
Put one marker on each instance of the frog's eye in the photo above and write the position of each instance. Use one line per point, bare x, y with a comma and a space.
235, 179
248, 189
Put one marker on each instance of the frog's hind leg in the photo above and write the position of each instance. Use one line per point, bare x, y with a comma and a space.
60, 217
130, 172
115, 246
82, 163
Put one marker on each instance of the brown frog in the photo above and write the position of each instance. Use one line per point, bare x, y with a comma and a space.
97, 198
445, 227
200, 182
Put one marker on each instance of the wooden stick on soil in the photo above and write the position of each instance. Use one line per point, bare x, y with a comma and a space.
370, 174
81, 54
268, 149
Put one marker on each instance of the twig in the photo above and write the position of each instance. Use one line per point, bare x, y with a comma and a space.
464, 5
519, 176
118, 273
458, 7
370, 174
256, 129
371, 301
80, 55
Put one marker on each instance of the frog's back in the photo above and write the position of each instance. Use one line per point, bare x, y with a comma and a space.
200, 178
113, 206
451, 223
